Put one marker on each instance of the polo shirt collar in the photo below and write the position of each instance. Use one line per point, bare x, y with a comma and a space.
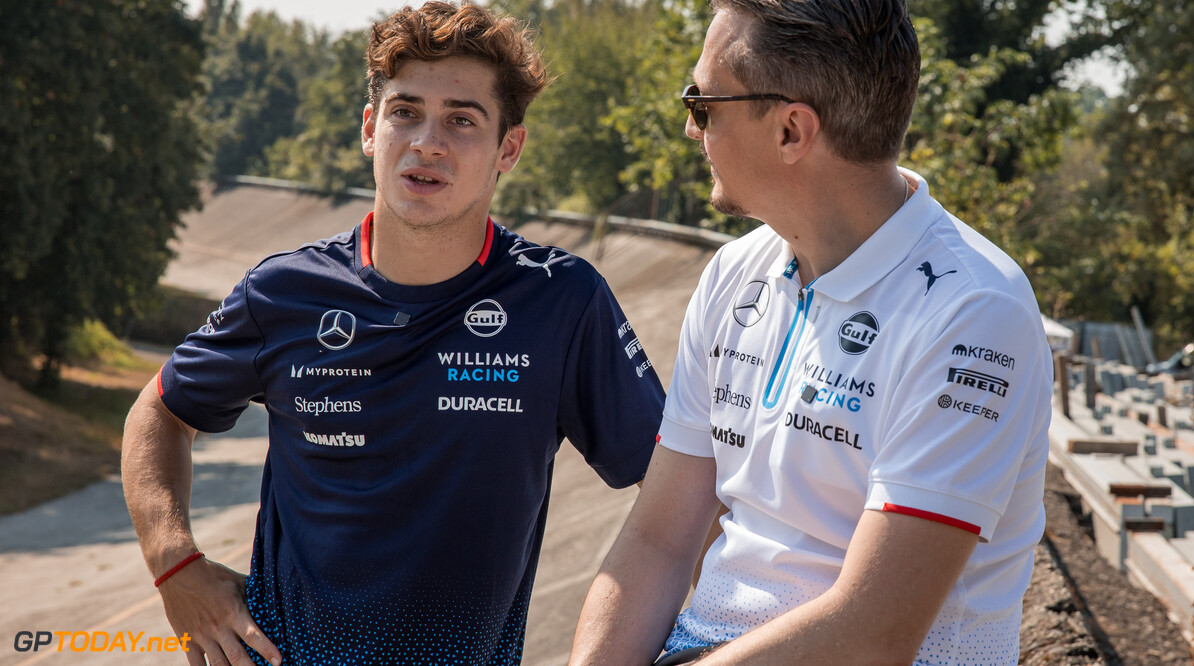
886, 249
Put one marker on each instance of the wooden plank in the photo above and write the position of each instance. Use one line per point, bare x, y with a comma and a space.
1126, 447
1139, 490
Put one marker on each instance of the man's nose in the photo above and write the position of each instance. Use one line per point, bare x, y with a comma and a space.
429, 140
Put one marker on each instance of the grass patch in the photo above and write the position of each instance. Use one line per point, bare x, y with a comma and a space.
54, 440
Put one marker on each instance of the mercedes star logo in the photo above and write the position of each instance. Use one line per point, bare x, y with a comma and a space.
752, 303
336, 329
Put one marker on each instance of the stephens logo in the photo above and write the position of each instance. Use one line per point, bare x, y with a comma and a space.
988, 355
730, 397
752, 303
336, 329
486, 318
727, 436
858, 333
978, 380
342, 439
326, 406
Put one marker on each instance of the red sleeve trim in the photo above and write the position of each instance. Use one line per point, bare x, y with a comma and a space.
366, 236
158, 379
657, 438
935, 517
484, 256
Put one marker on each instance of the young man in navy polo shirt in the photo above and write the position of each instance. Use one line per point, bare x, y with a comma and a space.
420, 373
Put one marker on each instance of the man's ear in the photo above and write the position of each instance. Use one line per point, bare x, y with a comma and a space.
511, 148
798, 129
368, 127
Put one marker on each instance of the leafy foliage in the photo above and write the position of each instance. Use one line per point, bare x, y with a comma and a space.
98, 156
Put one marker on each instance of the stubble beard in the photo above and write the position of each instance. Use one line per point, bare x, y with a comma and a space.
720, 202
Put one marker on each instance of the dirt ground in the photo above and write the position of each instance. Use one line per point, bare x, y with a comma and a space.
1126, 625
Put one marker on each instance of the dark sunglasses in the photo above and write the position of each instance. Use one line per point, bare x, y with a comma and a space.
696, 103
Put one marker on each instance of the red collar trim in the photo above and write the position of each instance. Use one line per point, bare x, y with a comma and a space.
367, 235
366, 240
484, 256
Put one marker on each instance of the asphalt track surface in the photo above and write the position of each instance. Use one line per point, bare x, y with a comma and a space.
74, 565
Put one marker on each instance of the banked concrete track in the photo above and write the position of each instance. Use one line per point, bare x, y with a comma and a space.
74, 565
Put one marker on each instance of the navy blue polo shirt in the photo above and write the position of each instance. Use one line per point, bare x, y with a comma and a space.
412, 432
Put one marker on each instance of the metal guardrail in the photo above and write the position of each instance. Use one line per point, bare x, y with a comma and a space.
656, 228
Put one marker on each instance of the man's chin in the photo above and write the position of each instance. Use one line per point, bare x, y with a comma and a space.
723, 204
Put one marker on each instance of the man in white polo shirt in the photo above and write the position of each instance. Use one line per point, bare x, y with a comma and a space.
863, 382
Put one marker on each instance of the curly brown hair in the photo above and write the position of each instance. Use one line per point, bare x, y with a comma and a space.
439, 30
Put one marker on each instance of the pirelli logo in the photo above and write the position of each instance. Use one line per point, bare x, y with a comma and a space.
978, 380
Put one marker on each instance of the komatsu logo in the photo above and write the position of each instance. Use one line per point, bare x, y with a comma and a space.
342, 439
727, 436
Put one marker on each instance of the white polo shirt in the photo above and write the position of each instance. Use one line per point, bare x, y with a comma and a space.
914, 377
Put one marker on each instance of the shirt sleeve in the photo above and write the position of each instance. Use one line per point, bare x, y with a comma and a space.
971, 407
685, 427
611, 398
211, 377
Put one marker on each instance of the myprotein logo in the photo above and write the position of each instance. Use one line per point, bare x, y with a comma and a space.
946, 401
988, 355
752, 303
486, 318
301, 371
727, 436
342, 439
978, 380
326, 406
337, 328
719, 351
857, 333
729, 396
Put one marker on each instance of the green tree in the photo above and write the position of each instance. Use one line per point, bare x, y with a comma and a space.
326, 151
255, 74
666, 162
98, 156
593, 48
1149, 134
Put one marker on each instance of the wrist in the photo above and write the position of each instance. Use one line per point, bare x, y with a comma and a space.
183, 563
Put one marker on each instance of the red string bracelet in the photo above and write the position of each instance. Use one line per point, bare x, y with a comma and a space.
177, 567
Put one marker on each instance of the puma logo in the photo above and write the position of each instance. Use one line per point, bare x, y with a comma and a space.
523, 260
927, 269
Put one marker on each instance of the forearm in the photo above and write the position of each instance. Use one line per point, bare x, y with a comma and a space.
632, 604
156, 472
644, 579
